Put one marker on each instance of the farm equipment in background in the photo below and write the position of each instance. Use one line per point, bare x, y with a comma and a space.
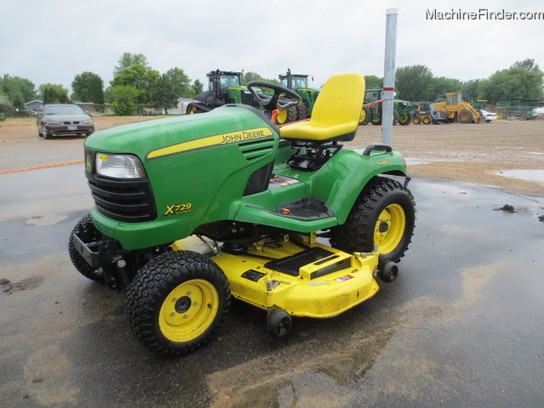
225, 87
299, 84
455, 110
422, 113
371, 111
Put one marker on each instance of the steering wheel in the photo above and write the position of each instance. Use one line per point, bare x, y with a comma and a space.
270, 103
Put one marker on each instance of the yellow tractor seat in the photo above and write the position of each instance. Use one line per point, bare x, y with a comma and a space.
336, 112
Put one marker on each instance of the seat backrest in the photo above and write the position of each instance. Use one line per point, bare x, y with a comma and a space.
336, 113
340, 101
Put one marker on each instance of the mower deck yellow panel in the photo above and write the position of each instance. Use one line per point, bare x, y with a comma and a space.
313, 292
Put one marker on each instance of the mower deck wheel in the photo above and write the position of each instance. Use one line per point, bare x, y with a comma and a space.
278, 323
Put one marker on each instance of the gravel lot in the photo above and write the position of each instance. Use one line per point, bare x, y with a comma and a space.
505, 154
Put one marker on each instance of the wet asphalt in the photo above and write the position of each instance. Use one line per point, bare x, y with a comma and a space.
462, 326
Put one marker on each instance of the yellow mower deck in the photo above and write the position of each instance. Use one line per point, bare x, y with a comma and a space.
303, 279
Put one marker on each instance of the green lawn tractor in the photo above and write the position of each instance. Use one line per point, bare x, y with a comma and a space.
193, 210
299, 84
372, 110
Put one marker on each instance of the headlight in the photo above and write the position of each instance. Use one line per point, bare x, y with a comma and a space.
87, 122
120, 166
51, 122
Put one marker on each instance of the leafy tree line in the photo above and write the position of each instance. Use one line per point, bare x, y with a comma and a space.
136, 85
522, 80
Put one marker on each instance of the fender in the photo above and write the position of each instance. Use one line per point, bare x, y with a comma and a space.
334, 182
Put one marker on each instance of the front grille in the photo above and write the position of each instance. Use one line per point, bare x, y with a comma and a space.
69, 122
123, 200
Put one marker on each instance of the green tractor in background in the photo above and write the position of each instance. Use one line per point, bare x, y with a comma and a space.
225, 87
299, 84
372, 109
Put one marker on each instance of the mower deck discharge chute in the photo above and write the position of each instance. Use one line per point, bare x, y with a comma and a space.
192, 210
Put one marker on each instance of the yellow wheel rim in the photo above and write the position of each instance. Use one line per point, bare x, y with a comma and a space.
192, 110
362, 116
389, 228
282, 116
189, 310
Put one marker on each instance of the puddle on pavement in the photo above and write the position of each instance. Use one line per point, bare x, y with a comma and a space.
527, 175
334, 369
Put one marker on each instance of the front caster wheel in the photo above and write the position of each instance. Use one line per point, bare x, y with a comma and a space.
278, 323
388, 272
176, 302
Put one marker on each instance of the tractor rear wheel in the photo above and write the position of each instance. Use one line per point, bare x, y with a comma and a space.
302, 111
383, 215
191, 109
287, 115
405, 119
176, 302
466, 116
85, 225
365, 116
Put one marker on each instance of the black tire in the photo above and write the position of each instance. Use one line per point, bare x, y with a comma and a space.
176, 302
383, 215
287, 116
396, 118
417, 120
405, 119
279, 323
427, 120
86, 226
366, 115
302, 111
465, 116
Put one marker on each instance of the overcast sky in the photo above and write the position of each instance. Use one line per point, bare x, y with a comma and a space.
51, 41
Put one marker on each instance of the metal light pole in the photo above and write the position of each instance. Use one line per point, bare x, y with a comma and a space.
389, 75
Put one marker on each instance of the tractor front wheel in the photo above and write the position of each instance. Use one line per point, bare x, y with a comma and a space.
84, 226
176, 302
466, 116
384, 216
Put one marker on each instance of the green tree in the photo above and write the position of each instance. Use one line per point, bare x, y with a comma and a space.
139, 77
128, 60
438, 87
123, 99
52, 93
373, 82
471, 90
253, 76
88, 87
198, 87
169, 87
523, 80
413, 83
17, 90
5, 103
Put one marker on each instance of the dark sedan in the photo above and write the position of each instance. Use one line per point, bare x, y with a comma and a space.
64, 119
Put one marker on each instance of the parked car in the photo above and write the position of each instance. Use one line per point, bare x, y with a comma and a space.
64, 119
488, 116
